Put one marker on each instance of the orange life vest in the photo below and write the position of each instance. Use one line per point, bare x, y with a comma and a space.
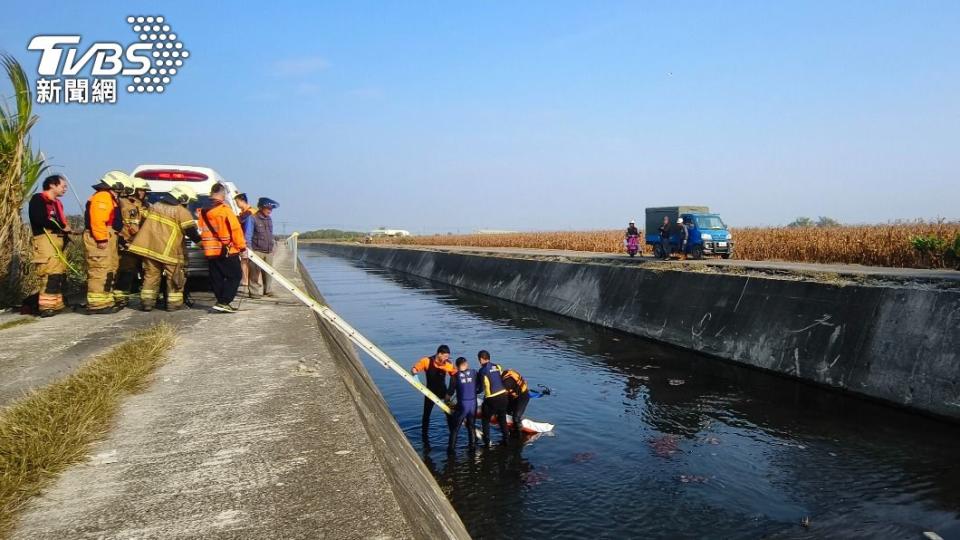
513, 381
219, 229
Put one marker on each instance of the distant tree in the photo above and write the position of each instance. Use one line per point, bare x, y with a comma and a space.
824, 221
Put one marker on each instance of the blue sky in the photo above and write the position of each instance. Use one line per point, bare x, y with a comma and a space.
435, 116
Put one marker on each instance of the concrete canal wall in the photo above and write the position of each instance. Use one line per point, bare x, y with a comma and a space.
895, 343
426, 509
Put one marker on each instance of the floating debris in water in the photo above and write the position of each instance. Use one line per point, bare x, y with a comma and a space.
711, 440
676, 382
693, 479
665, 445
930, 535
648, 366
534, 478
805, 522
583, 457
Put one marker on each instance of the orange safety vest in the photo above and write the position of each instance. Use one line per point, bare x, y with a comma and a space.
100, 215
219, 229
518, 380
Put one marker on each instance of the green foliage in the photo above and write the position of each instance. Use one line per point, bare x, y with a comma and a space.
938, 250
801, 222
331, 234
20, 168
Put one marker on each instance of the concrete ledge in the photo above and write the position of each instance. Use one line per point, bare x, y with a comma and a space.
427, 511
897, 344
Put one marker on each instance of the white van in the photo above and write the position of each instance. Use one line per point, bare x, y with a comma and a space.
162, 178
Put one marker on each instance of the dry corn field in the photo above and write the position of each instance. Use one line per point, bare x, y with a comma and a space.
872, 245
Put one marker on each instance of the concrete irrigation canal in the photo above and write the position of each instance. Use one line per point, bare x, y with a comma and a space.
689, 402
655, 440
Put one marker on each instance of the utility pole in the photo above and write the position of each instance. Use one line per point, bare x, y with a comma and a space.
283, 228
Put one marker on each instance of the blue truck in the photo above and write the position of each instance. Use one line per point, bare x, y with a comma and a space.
709, 235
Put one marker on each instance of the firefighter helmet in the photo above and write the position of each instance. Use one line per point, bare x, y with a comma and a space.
140, 183
183, 194
115, 180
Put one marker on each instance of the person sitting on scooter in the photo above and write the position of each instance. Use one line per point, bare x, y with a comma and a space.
632, 230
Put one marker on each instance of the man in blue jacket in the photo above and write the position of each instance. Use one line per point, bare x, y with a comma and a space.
464, 385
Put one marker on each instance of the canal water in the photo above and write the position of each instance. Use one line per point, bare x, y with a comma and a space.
650, 441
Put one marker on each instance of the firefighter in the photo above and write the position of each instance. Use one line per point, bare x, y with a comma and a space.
519, 396
132, 204
102, 221
495, 401
436, 368
222, 240
48, 223
160, 244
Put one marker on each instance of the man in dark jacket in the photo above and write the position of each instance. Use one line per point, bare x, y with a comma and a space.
665, 230
263, 244
49, 226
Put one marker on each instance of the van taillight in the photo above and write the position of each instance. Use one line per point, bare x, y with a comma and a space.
184, 176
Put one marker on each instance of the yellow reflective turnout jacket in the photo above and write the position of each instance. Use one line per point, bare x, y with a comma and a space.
161, 235
131, 212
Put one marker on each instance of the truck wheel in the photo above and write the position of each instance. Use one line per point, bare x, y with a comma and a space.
696, 252
658, 252
725, 256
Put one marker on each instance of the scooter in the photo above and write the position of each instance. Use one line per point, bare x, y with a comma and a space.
633, 245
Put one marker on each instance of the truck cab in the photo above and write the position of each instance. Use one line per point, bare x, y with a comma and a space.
708, 234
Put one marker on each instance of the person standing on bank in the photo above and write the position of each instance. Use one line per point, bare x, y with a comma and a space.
246, 222
490, 382
665, 230
222, 240
263, 244
684, 235
102, 221
436, 368
131, 205
160, 243
49, 226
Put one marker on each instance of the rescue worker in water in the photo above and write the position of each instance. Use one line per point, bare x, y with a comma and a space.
519, 396
436, 368
464, 386
490, 379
